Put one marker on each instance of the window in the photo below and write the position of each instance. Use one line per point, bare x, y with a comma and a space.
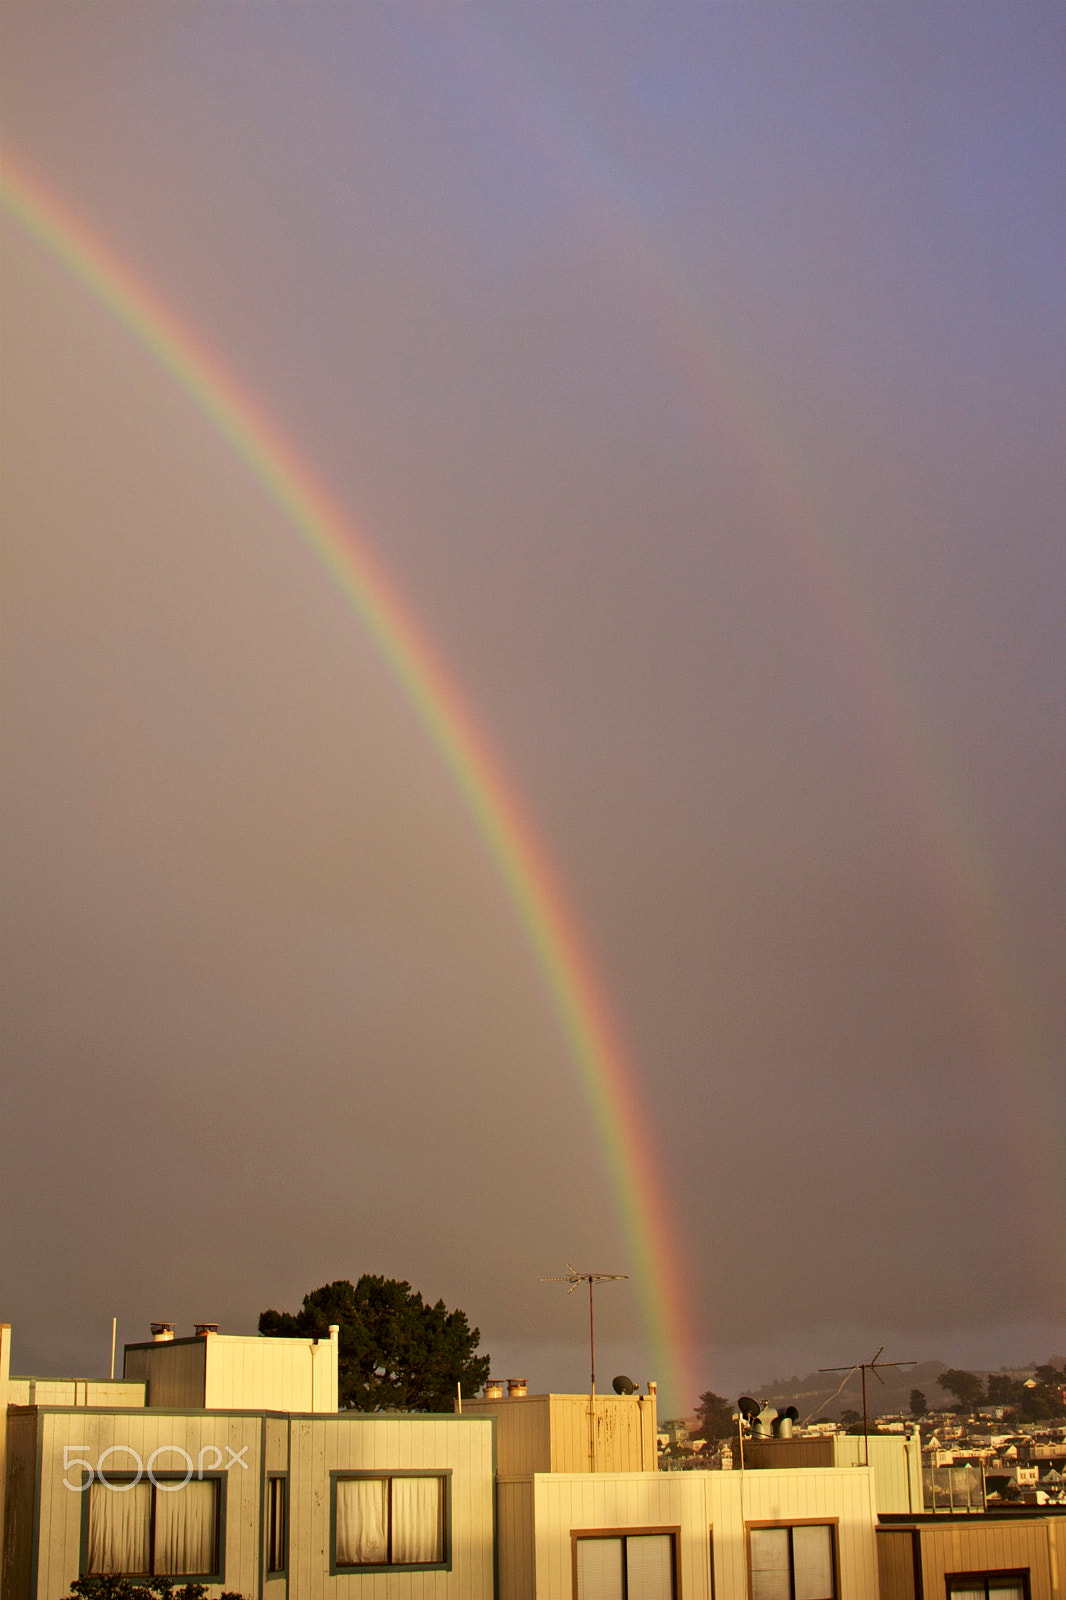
625, 1566
793, 1563
390, 1522
988, 1585
162, 1529
277, 1523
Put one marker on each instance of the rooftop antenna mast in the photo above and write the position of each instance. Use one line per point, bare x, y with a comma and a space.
864, 1367
573, 1278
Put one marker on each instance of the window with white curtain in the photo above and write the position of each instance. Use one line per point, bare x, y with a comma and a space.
396, 1521
988, 1585
143, 1529
793, 1562
626, 1566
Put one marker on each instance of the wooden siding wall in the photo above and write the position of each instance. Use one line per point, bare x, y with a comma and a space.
896, 1459
20, 1490
276, 1444
895, 1563
523, 1432
308, 1447
699, 1503
174, 1371
606, 1500
1056, 1529
625, 1433
270, 1374
347, 1442
224, 1372
514, 1502
550, 1432
59, 1553
75, 1392
762, 1453
984, 1546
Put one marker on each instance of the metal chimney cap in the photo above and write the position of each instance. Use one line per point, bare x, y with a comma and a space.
162, 1331
204, 1328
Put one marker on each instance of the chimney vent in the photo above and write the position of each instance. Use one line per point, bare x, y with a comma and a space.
204, 1328
162, 1332
494, 1389
516, 1388
783, 1424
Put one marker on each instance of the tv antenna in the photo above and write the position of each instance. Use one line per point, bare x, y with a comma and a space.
573, 1278
864, 1367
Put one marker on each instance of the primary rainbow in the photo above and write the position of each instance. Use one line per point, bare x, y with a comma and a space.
519, 858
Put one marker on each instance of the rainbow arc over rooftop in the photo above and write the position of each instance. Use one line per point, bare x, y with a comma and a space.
594, 1042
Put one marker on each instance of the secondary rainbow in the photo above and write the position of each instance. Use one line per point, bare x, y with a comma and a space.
532, 886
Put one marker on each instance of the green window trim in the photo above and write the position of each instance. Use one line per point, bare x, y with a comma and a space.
276, 1524
217, 1478
443, 1475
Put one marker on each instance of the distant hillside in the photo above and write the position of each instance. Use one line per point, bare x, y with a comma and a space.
813, 1395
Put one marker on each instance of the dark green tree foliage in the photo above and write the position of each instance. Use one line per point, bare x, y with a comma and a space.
715, 1418
967, 1387
1043, 1402
396, 1353
106, 1587
1040, 1400
918, 1405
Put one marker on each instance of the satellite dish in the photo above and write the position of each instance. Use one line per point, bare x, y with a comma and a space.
624, 1385
748, 1407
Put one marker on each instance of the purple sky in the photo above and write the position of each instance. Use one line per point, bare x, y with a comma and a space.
697, 373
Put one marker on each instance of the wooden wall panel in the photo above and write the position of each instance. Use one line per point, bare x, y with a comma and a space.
895, 1563
985, 1546
94, 1432
350, 1442
697, 1504
20, 1492
173, 1370
515, 1509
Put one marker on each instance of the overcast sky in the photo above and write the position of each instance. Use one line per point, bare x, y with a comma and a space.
697, 374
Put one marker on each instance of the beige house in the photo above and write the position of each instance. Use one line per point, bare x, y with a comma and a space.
225, 1461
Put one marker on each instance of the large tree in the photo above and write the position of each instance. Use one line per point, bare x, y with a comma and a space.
396, 1353
714, 1417
967, 1387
